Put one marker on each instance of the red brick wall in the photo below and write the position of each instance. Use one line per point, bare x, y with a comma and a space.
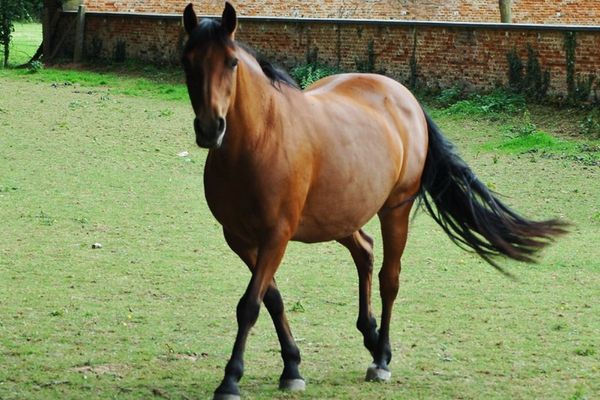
446, 54
584, 12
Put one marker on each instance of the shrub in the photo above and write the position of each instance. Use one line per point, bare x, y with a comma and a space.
35, 66
307, 74
590, 125
496, 102
449, 96
528, 79
515, 71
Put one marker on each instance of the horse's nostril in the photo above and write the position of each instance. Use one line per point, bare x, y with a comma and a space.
221, 124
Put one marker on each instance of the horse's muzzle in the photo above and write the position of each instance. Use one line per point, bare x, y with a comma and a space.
210, 135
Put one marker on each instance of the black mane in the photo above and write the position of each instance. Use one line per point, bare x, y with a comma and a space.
209, 30
275, 73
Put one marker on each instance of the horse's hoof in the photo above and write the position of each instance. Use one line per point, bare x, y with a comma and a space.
376, 374
226, 396
293, 385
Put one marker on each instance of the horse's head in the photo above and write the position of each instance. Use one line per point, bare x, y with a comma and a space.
209, 60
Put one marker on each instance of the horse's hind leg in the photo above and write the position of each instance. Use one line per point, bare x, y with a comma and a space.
290, 378
394, 230
361, 248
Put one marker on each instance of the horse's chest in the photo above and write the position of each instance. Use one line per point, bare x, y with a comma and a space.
235, 203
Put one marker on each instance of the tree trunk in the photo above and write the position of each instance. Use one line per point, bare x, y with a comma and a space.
6, 54
505, 11
49, 21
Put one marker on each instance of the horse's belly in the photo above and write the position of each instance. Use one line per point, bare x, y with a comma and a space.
312, 230
334, 213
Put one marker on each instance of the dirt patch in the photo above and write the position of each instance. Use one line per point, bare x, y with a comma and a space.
105, 369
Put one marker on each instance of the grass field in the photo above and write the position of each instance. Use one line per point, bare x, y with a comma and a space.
27, 39
91, 158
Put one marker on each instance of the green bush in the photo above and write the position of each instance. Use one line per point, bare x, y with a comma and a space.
590, 125
35, 66
307, 74
496, 102
449, 96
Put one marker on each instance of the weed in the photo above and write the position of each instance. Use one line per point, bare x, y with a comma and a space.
81, 220
535, 82
120, 51
297, 307
570, 47
57, 313
413, 76
530, 79
8, 189
525, 128
579, 395
583, 88
561, 326
449, 96
35, 67
585, 351
307, 74
75, 104
368, 65
95, 49
496, 102
165, 113
590, 125
515, 71
45, 219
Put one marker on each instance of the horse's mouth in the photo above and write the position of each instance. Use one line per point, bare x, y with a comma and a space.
213, 142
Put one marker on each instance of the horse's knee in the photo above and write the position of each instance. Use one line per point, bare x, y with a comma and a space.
247, 311
389, 282
274, 302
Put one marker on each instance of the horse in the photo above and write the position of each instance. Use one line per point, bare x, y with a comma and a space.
316, 165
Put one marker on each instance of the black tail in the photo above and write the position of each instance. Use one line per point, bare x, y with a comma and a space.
471, 214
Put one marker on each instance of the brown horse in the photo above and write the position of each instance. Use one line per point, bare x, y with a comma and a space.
317, 165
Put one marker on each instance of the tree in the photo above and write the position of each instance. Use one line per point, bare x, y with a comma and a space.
7, 17
15, 10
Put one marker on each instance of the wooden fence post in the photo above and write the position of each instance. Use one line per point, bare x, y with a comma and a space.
505, 11
79, 34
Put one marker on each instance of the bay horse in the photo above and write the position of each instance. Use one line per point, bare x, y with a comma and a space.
317, 165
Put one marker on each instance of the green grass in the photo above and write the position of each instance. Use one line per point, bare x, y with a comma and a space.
131, 79
106, 80
26, 40
152, 312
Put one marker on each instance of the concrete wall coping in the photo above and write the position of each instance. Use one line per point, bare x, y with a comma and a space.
374, 22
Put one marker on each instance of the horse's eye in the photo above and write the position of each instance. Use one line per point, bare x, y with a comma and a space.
233, 62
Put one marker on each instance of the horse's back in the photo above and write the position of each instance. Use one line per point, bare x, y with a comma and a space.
372, 141
381, 99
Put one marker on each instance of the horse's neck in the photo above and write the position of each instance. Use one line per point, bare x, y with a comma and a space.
254, 110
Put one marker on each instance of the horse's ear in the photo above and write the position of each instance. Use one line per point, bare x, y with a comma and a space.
190, 20
229, 19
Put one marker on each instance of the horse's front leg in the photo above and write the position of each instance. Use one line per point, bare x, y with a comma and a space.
290, 353
268, 259
290, 378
